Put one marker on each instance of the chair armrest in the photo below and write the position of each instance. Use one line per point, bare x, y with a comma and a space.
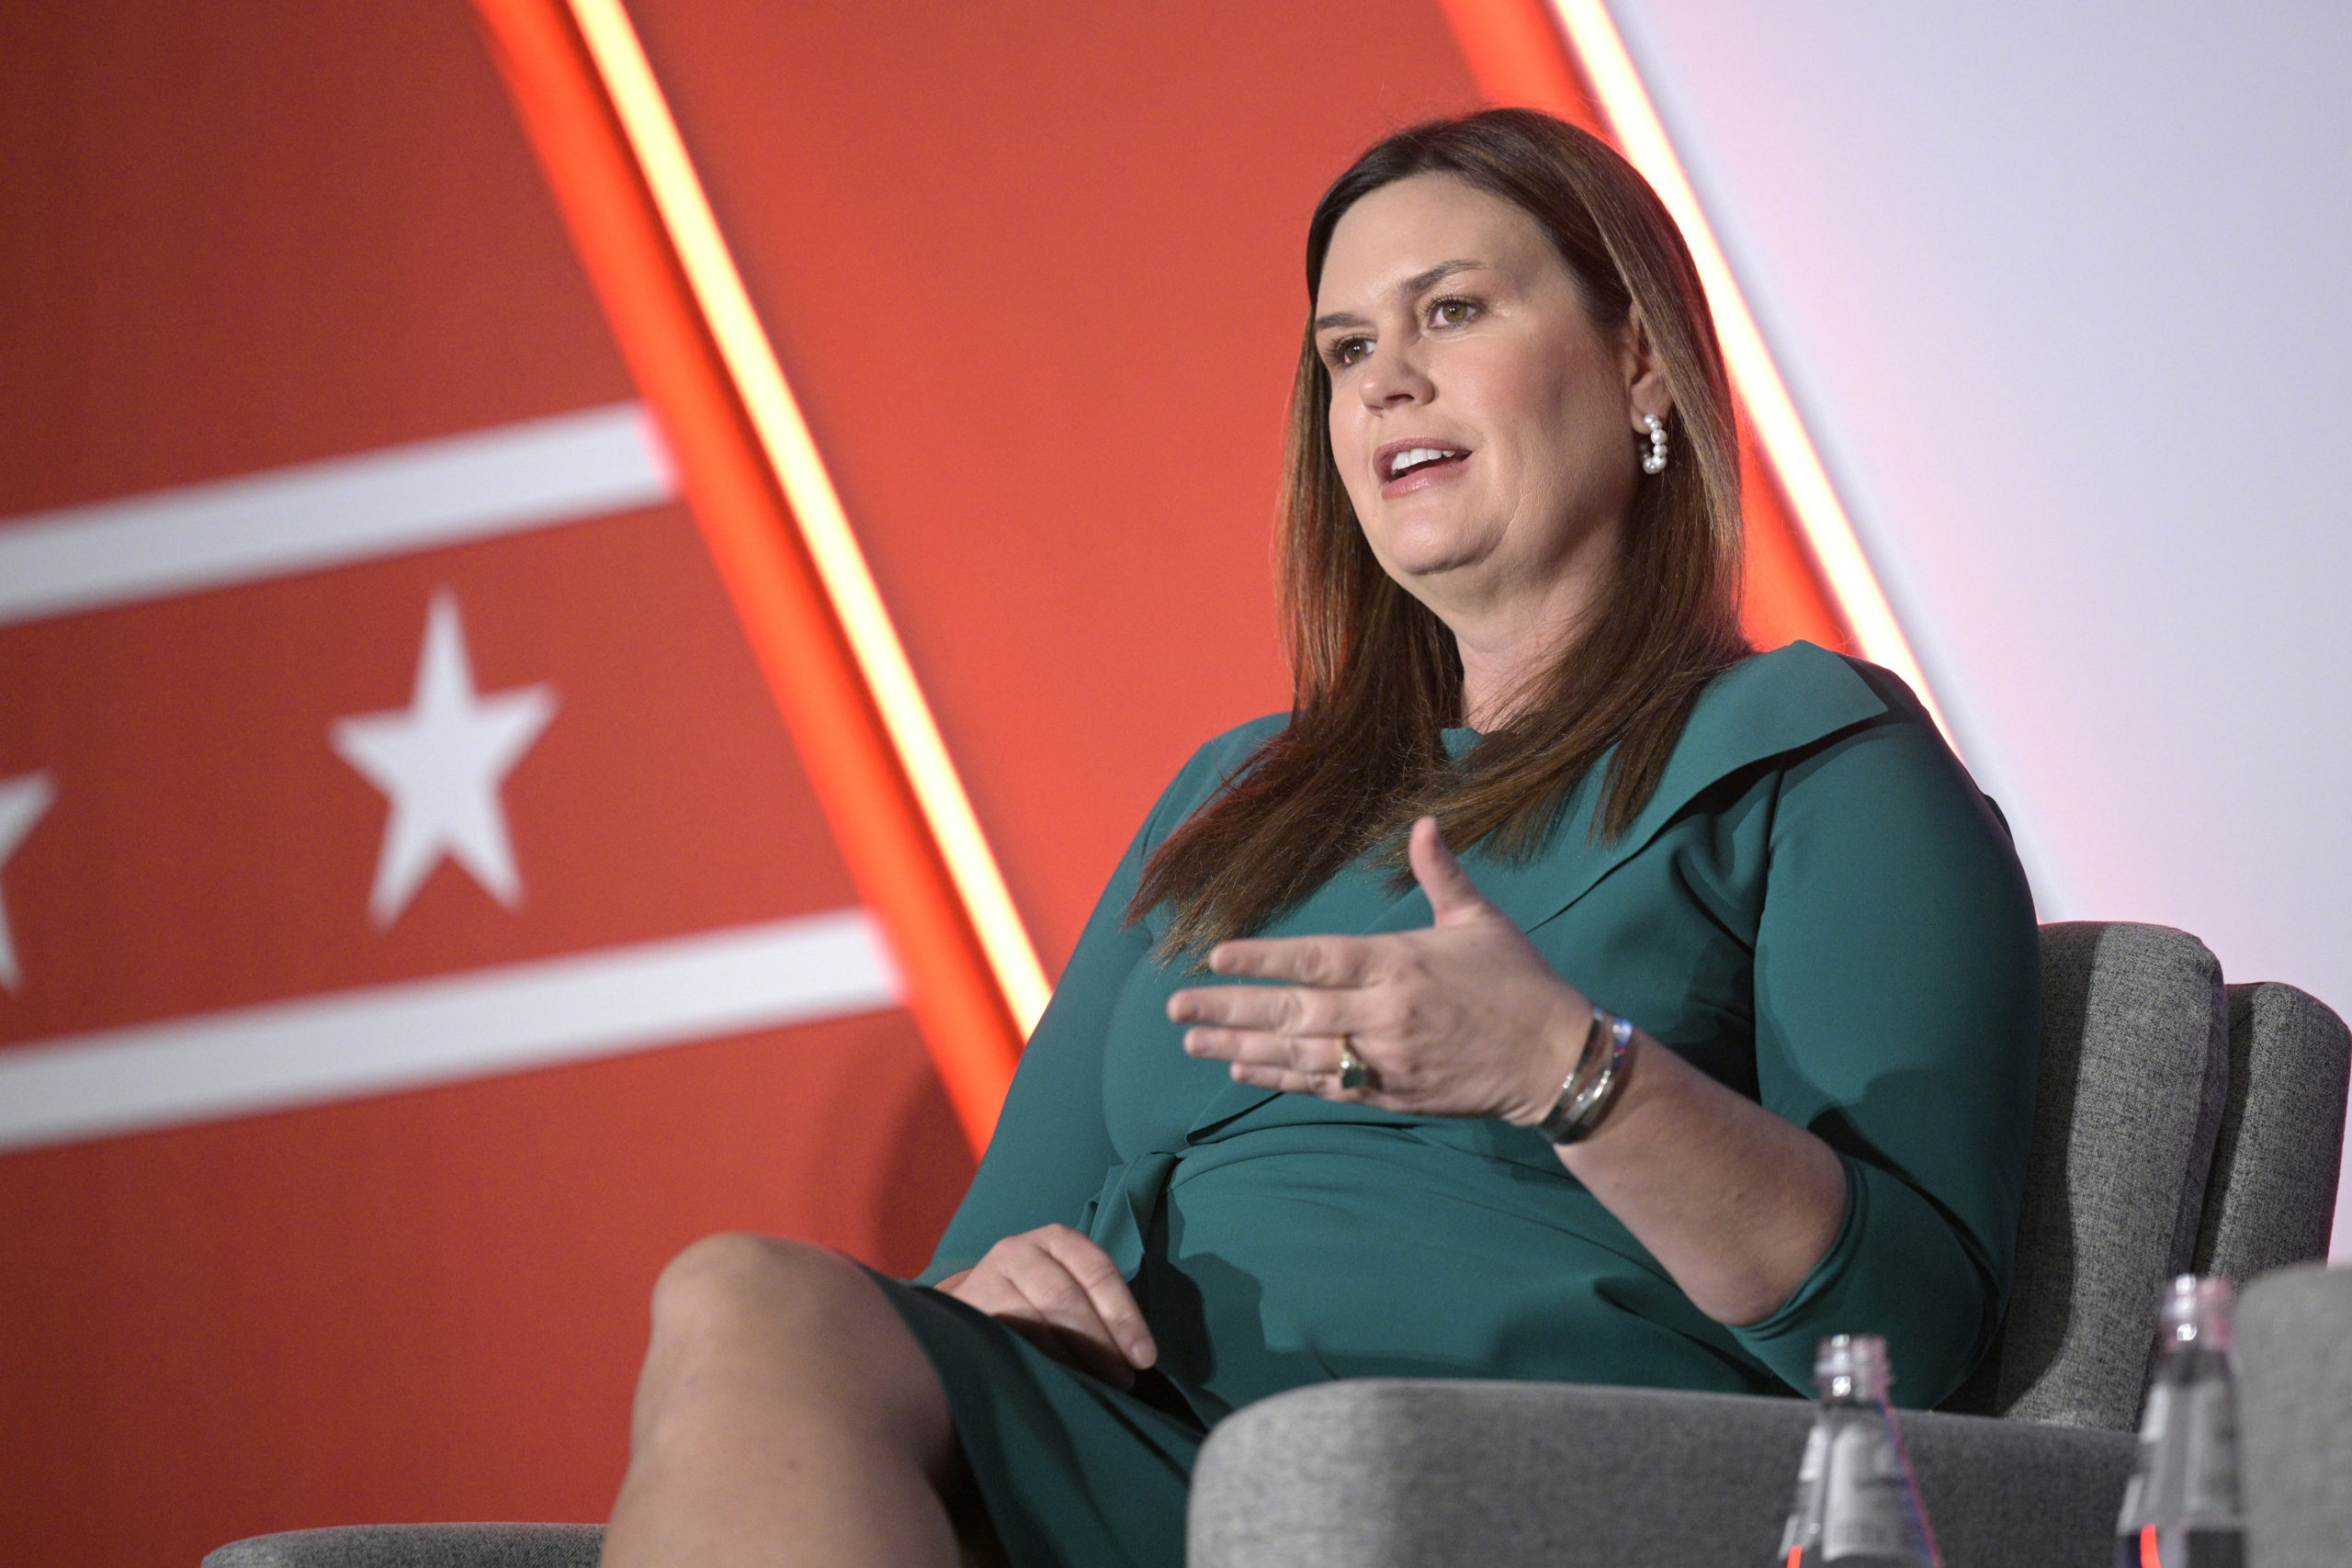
418, 1546
1397, 1473
2295, 1416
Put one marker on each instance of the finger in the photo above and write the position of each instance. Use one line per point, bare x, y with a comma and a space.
1286, 1010
1452, 896
1106, 1289
983, 1290
1058, 1304
1000, 1293
1302, 960
1266, 1048
1323, 1085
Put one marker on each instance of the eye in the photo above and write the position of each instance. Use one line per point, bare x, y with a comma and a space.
1454, 310
1347, 351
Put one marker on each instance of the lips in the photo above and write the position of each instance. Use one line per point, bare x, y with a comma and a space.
1408, 465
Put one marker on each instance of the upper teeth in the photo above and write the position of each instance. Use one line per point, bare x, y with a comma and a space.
1403, 460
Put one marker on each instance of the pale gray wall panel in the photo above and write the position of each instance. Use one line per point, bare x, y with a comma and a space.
2063, 292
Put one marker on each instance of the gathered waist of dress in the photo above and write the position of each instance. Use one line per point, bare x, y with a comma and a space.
1461, 1161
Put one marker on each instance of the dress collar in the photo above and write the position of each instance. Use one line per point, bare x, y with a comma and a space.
1762, 707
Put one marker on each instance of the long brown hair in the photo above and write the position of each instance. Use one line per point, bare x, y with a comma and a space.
1375, 675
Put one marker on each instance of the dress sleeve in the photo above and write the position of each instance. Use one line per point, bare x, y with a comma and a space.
1051, 1146
1898, 1016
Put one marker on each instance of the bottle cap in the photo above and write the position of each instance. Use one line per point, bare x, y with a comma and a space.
1853, 1366
2197, 1311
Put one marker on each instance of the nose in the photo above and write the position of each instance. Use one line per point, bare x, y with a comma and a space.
1395, 378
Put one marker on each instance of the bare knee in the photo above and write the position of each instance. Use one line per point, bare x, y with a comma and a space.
797, 1324
736, 1283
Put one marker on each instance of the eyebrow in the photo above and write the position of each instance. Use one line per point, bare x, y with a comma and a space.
1414, 285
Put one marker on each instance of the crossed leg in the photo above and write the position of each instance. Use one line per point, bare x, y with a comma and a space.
785, 1415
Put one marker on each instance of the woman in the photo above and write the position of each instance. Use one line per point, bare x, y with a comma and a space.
1717, 1039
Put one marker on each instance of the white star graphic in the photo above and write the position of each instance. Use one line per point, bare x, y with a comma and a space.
24, 800
440, 760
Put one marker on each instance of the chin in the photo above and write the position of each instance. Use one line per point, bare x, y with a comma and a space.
1427, 549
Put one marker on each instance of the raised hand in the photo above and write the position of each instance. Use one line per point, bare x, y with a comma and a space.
1065, 1294
1462, 1017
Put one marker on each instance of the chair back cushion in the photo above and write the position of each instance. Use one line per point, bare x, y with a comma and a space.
2128, 1103
2271, 1197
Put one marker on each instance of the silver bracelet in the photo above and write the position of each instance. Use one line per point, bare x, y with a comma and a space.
1587, 1067
1582, 1105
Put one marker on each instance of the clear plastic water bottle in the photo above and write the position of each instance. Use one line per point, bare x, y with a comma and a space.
2181, 1508
1858, 1505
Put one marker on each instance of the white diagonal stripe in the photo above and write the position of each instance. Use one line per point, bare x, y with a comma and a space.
507, 479
451, 1027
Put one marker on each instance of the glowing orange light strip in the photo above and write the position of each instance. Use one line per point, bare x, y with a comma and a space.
1829, 534
776, 533
710, 269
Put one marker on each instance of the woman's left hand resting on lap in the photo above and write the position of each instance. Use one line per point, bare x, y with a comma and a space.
1063, 1292
1466, 1017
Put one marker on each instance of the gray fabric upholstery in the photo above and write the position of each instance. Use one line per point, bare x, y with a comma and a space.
418, 1546
2272, 1193
2135, 1071
1384, 1474
2295, 1418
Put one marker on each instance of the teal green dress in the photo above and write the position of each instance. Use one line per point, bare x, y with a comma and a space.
1817, 908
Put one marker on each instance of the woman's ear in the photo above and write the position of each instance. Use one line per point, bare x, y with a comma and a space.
1648, 396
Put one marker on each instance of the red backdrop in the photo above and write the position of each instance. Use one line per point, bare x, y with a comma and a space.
1034, 272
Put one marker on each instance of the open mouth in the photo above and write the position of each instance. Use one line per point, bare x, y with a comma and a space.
1406, 459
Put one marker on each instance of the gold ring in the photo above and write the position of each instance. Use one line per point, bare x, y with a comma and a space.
1353, 1074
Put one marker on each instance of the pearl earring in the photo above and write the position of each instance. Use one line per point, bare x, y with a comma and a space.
1653, 460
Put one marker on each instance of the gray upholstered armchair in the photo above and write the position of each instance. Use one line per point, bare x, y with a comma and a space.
2181, 1125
